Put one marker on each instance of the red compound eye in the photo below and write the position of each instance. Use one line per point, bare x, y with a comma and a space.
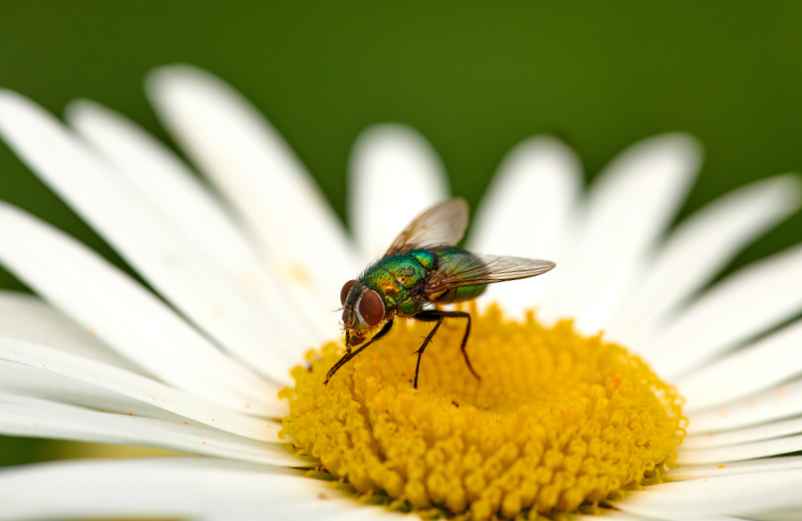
346, 289
371, 307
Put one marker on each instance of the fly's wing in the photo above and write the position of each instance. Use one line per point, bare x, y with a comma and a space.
441, 225
472, 269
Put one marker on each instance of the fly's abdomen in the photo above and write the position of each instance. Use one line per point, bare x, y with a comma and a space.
454, 257
461, 294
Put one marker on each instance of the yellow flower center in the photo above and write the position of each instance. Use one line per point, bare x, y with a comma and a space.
558, 422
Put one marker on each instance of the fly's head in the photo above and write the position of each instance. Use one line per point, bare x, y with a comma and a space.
363, 312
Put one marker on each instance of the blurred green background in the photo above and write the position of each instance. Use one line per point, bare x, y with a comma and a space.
473, 80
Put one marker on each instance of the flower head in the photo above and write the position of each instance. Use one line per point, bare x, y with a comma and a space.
242, 285
558, 420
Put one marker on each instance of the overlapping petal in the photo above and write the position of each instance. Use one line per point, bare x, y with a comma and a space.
29, 318
745, 304
129, 318
164, 487
776, 403
394, 175
151, 243
200, 218
627, 209
682, 266
707, 497
255, 169
32, 417
33, 370
529, 211
749, 370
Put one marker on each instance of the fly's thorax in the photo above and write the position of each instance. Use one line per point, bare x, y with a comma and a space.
400, 280
426, 258
396, 277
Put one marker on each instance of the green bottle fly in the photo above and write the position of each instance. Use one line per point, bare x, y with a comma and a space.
423, 267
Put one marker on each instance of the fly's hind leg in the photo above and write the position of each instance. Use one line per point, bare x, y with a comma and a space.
465, 336
429, 315
437, 315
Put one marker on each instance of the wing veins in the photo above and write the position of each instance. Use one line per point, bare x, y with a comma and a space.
443, 224
486, 269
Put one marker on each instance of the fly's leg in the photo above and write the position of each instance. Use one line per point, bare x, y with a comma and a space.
465, 336
429, 315
438, 315
351, 354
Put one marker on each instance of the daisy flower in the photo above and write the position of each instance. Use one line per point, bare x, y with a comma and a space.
632, 390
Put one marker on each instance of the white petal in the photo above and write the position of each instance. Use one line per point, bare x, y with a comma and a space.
529, 212
791, 514
177, 193
171, 187
28, 318
153, 169
127, 317
701, 246
767, 362
354, 511
743, 451
149, 241
741, 467
365, 513
765, 431
607, 514
256, 170
744, 304
610, 515
532, 197
394, 175
174, 487
736, 494
779, 402
22, 416
628, 208
28, 380
41, 372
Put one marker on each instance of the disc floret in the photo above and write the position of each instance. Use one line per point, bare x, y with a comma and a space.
558, 421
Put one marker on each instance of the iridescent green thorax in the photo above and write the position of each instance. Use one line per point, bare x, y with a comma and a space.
401, 279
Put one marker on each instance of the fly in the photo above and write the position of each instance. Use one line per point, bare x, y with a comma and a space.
423, 268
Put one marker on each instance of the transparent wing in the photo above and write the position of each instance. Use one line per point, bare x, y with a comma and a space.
441, 225
473, 269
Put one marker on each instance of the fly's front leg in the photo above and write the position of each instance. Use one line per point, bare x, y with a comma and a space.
351, 354
437, 315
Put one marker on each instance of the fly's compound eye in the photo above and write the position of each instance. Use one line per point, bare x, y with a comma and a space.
346, 289
371, 307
